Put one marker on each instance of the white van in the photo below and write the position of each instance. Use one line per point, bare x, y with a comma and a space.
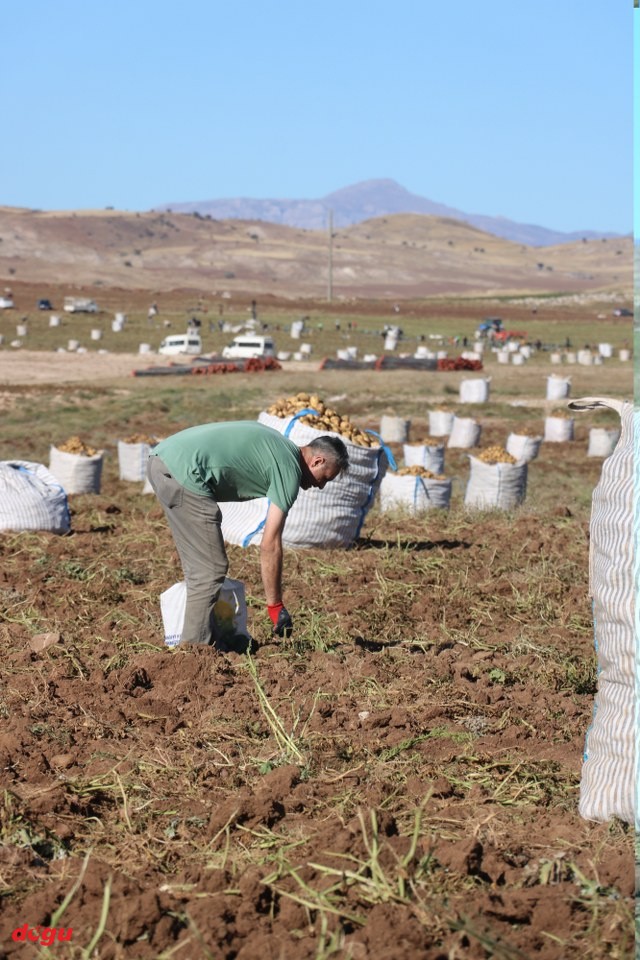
80, 305
178, 343
246, 347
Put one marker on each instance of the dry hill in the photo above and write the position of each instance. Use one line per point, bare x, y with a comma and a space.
399, 256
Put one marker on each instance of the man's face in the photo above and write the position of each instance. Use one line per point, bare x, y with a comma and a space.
318, 472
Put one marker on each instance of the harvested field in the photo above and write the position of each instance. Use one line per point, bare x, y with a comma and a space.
399, 781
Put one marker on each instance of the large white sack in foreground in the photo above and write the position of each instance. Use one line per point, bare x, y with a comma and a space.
332, 517
31, 498
608, 781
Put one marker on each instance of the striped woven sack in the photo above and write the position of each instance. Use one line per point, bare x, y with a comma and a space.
414, 494
31, 498
500, 486
608, 781
332, 517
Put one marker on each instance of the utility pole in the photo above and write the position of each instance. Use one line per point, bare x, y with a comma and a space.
330, 278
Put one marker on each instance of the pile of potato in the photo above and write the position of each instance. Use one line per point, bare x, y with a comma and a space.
77, 446
326, 418
495, 454
417, 471
141, 438
428, 442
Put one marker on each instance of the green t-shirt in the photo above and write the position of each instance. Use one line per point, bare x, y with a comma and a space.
238, 460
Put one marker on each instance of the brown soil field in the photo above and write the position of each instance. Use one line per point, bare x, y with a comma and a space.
398, 781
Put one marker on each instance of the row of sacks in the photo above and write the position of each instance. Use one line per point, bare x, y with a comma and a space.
477, 389
465, 433
80, 471
491, 486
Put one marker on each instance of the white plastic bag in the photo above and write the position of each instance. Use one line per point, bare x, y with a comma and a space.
230, 612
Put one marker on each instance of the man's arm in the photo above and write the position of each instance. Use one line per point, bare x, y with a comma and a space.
271, 554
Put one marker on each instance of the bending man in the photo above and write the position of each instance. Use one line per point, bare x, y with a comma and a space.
194, 470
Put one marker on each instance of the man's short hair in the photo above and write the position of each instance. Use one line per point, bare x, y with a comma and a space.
333, 449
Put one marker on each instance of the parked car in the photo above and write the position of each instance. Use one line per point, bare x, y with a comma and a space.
623, 312
45, 304
177, 343
6, 303
247, 347
80, 305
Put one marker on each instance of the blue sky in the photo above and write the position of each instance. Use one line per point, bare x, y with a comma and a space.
505, 108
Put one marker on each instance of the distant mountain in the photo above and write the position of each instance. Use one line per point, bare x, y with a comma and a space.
366, 200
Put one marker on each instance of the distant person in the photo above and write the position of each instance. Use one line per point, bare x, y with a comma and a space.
193, 471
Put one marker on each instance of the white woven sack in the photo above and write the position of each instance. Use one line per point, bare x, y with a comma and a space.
394, 429
132, 460
76, 473
465, 433
558, 429
332, 517
602, 442
31, 498
474, 391
522, 447
230, 611
440, 423
558, 388
502, 486
414, 494
427, 455
608, 781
